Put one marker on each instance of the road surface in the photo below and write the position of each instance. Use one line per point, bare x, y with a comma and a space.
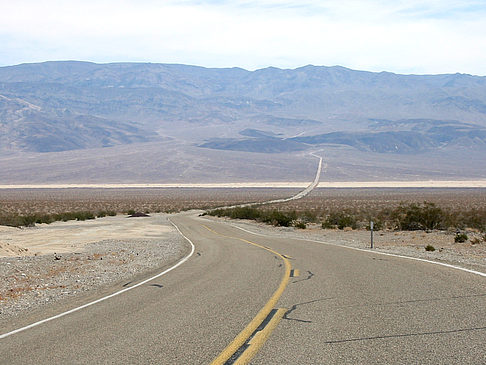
345, 306
299, 195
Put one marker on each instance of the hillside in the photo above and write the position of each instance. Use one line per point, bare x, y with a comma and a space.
67, 106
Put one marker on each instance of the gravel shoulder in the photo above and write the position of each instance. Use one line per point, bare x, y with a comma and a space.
30, 281
407, 243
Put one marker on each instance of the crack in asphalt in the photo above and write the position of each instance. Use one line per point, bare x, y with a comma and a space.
294, 307
406, 335
416, 301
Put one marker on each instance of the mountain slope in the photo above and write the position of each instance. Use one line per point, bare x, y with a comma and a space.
27, 127
61, 106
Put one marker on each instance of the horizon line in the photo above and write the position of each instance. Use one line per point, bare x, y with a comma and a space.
233, 67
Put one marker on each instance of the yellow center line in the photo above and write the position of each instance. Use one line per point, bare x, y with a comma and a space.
260, 338
251, 327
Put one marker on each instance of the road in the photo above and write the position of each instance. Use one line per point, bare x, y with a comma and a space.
346, 306
299, 195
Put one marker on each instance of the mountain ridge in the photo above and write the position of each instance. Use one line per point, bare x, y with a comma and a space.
58, 106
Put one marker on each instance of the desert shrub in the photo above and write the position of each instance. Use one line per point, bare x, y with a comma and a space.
82, 216
340, 220
308, 217
26, 221
327, 225
33, 219
342, 213
237, 213
274, 216
429, 248
426, 216
278, 218
44, 218
131, 211
70, 216
300, 224
245, 213
460, 238
472, 218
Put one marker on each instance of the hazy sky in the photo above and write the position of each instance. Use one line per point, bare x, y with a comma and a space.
410, 36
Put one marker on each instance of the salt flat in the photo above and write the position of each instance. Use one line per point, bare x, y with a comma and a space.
279, 184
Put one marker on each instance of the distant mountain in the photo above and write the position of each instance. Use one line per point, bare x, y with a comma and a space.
70, 105
263, 144
424, 136
406, 136
28, 127
159, 97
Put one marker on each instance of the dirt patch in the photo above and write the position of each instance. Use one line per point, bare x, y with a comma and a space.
73, 236
82, 265
7, 249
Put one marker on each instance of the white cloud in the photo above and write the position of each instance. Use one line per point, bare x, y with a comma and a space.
402, 36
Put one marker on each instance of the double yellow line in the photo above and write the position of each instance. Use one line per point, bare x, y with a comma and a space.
261, 336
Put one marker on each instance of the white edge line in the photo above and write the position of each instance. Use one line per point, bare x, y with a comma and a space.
108, 296
372, 251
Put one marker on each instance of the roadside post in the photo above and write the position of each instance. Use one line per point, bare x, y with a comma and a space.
371, 230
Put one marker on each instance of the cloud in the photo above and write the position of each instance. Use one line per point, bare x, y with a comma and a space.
402, 36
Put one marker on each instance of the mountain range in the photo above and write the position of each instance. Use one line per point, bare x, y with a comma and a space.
89, 110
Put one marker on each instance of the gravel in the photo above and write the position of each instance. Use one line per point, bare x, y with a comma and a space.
30, 282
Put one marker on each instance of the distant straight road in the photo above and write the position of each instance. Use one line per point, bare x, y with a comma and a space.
297, 196
345, 306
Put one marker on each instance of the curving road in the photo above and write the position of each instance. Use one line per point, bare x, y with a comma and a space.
345, 306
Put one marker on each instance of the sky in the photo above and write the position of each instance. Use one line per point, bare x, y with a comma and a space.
409, 36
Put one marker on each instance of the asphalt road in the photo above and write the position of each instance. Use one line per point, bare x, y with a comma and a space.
346, 306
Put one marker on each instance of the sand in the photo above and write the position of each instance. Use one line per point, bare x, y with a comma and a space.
72, 236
